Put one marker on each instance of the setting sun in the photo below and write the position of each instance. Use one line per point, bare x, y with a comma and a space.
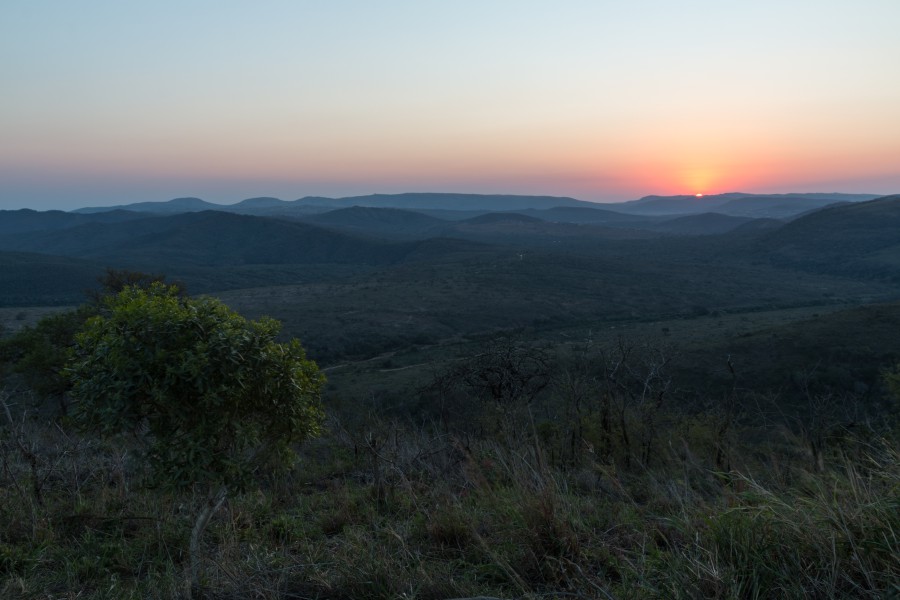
699, 195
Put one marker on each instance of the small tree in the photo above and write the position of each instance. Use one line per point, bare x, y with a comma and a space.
40, 353
114, 281
211, 394
507, 372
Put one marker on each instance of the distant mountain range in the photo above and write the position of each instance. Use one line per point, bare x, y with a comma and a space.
353, 230
736, 204
51, 256
484, 202
732, 204
177, 232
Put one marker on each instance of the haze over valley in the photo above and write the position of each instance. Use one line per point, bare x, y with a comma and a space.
362, 276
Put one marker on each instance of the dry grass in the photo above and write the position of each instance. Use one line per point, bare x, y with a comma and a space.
405, 512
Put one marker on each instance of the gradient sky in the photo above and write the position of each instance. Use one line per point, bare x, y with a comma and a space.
115, 102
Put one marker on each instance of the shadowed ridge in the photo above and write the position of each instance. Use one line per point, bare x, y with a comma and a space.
208, 238
461, 201
39, 279
26, 220
861, 238
176, 205
385, 222
261, 202
736, 204
710, 223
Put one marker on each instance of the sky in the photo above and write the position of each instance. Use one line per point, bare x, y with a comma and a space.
108, 102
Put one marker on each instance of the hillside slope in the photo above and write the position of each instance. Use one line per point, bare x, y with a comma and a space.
461, 201
26, 220
702, 224
860, 238
385, 222
40, 280
209, 239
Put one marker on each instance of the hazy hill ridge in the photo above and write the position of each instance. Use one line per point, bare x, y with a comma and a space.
206, 238
176, 205
736, 204
216, 250
595, 215
732, 204
708, 223
406, 200
498, 219
461, 201
25, 219
387, 222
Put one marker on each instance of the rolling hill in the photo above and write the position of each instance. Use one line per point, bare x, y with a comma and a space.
219, 250
702, 224
780, 207
492, 202
176, 205
41, 280
861, 238
491, 227
758, 225
208, 238
27, 220
435, 201
847, 349
263, 202
392, 223
733, 204
517, 228
590, 216
736, 204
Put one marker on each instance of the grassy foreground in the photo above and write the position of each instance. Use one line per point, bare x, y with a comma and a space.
392, 510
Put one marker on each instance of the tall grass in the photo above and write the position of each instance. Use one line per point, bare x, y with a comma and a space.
402, 511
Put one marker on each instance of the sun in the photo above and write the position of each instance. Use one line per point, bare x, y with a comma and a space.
698, 195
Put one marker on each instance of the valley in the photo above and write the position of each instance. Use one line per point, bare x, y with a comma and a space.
381, 280
506, 391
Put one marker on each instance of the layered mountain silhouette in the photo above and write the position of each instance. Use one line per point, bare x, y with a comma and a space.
859, 239
218, 237
409, 201
176, 205
737, 204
